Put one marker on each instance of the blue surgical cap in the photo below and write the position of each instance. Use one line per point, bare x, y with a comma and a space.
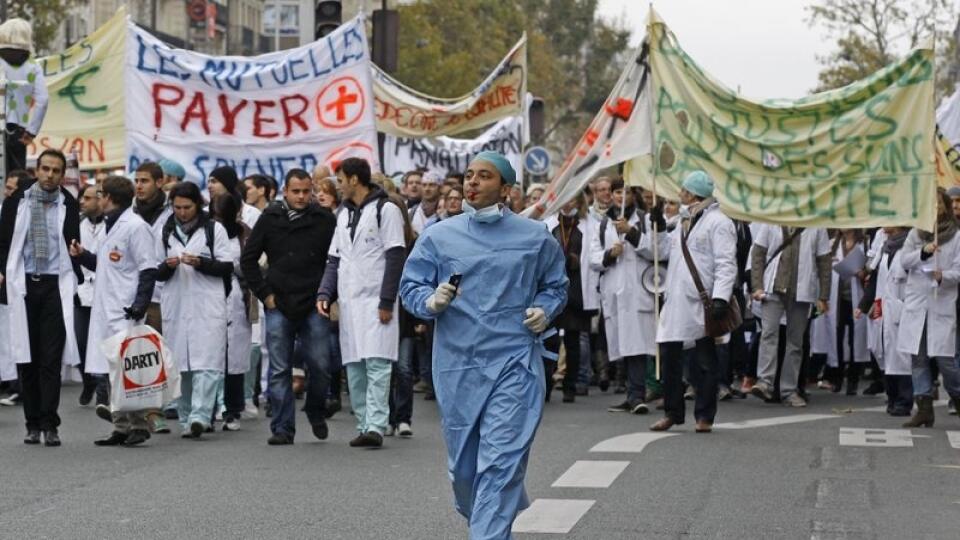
499, 161
699, 183
172, 168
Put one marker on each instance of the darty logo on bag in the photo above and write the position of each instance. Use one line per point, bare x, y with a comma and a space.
142, 362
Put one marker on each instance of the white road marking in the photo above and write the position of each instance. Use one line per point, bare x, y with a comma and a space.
631, 443
954, 438
774, 421
556, 516
887, 438
591, 474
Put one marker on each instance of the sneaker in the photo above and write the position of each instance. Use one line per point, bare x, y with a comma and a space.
690, 394
422, 387
158, 424
762, 390
640, 408
404, 430
825, 385
747, 384
250, 411
793, 400
231, 424
11, 401
621, 407
724, 394
279, 439
389, 432
103, 413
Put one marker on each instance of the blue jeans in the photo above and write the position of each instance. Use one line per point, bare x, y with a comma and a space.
336, 362
923, 376
586, 357
312, 334
424, 352
401, 393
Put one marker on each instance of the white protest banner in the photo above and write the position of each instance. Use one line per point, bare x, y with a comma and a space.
402, 154
404, 112
265, 114
948, 141
620, 132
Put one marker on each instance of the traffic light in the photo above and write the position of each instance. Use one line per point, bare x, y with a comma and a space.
536, 116
386, 35
327, 17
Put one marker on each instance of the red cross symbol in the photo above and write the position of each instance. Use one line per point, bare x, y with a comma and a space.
341, 103
622, 109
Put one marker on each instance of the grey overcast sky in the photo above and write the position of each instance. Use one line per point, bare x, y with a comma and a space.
765, 47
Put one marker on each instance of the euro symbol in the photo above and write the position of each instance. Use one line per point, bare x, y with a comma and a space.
73, 90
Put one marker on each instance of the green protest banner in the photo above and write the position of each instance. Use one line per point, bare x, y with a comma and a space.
858, 156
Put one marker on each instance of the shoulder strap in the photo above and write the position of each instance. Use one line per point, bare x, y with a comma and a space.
787, 240
380, 202
603, 232
208, 230
694, 273
165, 233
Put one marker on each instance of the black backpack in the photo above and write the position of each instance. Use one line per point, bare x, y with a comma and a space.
208, 228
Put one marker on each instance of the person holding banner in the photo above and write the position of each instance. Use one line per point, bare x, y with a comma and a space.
38, 282
26, 92
126, 267
928, 324
703, 248
492, 281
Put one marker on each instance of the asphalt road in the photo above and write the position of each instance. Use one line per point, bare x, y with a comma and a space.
769, 479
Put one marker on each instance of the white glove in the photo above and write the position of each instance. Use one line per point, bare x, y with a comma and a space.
441, 298
536, 320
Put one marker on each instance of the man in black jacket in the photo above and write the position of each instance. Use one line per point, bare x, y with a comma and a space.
295, 234
38, 280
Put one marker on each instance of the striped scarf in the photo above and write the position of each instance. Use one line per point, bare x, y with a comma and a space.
38, 219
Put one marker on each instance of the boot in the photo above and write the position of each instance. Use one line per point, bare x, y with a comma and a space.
924, 414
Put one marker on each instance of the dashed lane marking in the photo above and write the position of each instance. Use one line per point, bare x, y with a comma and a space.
954, 438
887, 438
591, 474
557, 516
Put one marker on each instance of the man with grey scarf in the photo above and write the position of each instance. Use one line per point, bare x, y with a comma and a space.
38, 282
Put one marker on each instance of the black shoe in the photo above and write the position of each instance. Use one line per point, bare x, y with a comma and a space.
114, 439
51, 438
569, 396
358, 441
333, 406
279, 439
603, 384
86, 396
196, 429
876, 387
626, 406
374, 439
136, 437
896, 411
33, 437
320, 430
171, 414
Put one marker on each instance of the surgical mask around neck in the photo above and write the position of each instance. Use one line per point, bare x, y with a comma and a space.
685, 211
489, 214
569, 213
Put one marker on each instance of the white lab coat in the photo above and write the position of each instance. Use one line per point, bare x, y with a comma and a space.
891, 280
823, 330
124, 252
193, 305
239, 330
628, 309
91, 236
713, 247
814, 243
8, 367
16, 280
359, 276
589, 276
874, 254
419, 220
249, 215
926, 302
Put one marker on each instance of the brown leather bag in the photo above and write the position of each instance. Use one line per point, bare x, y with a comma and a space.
714, 328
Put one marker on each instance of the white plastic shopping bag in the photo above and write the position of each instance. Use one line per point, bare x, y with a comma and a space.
143, 374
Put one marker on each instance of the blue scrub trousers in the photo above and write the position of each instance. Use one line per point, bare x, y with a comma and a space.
369, 381
198, 396
489, 467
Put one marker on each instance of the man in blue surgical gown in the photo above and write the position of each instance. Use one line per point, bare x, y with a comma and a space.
488, 367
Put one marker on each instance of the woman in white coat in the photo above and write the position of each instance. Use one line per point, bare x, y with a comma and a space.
711, 238
226, 211
837, 333
928, 324
196, 258
882, 303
